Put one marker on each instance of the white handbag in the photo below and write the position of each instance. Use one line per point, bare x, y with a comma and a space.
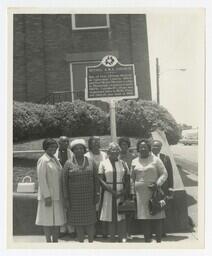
26, 187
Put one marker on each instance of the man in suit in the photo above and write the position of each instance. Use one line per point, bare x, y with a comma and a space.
168, 184
63, 152
156, 148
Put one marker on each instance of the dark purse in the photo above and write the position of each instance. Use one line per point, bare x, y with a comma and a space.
127, 206
154, 202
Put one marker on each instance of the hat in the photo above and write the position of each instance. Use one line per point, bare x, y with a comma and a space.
77, 142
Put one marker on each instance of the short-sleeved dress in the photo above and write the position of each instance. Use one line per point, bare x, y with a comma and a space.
79, 185
144, 172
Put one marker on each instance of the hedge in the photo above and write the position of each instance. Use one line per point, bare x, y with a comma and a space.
33, 121
139, 118
134, 119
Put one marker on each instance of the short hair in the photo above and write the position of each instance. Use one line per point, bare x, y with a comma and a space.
113, 147
147, 141
48, 142
90, 140
124, 139
157, 141
63, 138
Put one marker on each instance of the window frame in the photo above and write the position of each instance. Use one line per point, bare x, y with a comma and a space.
73, 23
72, 73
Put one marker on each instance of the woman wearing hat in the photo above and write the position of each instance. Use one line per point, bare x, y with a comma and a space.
50, 212
114, 179
79, 183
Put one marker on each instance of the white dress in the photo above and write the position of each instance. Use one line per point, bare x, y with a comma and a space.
106, 169
143, 173
49, 173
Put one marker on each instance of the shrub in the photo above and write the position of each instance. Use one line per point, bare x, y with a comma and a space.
33, 121
81, 119
139, 118
134, 119
26, 121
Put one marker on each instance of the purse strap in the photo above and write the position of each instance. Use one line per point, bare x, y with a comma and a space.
26, 177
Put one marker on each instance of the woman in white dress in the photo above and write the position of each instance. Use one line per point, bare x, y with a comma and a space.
50, 211
114, 179
146, 170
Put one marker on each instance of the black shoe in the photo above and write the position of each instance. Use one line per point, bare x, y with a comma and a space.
148, 240
62, 235
72, 235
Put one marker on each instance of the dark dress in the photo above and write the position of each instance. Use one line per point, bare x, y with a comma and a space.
80, 191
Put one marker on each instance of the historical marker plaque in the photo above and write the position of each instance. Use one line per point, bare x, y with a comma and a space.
110, 79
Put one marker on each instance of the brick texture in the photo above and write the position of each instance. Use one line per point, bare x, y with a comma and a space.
42, 42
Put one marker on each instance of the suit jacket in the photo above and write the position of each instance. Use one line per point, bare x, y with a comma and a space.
69, 155
167, 163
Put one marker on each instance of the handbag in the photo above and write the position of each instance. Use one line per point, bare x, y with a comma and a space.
127, 206
154, 202
26, 187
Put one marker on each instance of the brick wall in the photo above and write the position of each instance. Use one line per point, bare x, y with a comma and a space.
42, 42
19, 74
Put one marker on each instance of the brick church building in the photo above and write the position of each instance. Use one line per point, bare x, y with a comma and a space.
51, 52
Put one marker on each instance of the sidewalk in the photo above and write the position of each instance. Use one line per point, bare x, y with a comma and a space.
174, 237
190, 182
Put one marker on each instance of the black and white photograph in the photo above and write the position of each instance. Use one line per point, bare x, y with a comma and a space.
107, 111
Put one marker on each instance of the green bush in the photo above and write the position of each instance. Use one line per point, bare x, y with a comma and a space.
139, 118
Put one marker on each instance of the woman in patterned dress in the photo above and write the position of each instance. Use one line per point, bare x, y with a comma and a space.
114, 179
79, 183
50, 212
147, 169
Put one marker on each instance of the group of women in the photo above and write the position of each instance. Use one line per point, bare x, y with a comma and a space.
91, 185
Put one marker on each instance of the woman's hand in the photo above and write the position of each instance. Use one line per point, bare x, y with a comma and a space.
133, 197
97, 198
110, 190
120, 194
48, 201
67, 205
162, 203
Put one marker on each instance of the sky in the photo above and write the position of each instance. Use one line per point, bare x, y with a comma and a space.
177, 39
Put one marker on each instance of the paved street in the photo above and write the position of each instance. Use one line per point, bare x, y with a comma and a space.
187, 158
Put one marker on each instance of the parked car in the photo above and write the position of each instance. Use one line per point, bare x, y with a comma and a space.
189, 141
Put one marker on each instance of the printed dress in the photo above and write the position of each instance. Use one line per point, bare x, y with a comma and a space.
143, 173
79, 183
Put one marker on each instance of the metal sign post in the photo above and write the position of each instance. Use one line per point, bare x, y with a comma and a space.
113, 120
111, 81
